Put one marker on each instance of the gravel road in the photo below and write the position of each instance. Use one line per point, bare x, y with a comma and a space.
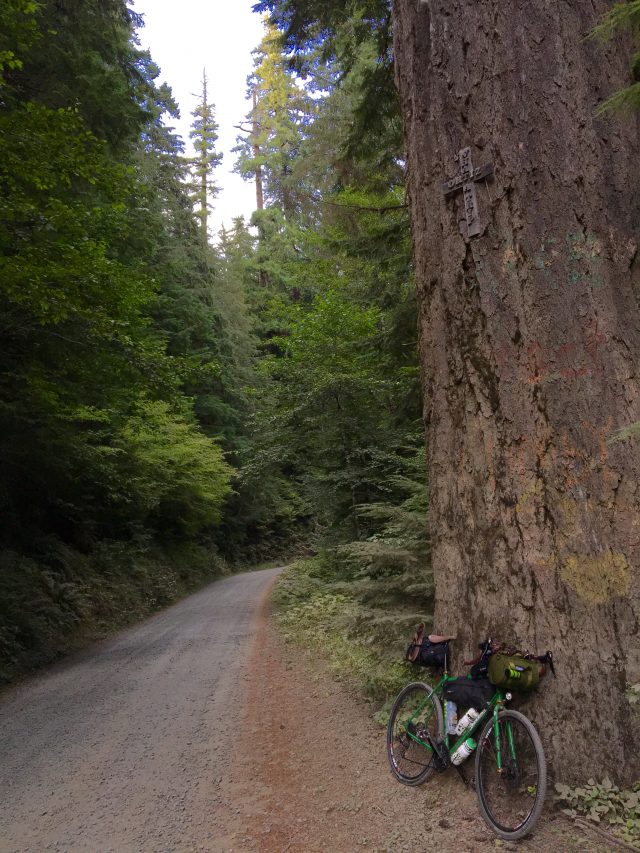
126, 746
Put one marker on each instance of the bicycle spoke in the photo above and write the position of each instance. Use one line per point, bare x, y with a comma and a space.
510, 794
414, 724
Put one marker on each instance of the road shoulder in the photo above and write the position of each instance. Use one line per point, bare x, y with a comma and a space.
311, 773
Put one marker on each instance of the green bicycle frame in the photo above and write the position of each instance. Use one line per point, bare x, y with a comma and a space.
496, 734
493, 707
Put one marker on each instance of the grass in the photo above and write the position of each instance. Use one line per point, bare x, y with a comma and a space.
360, 638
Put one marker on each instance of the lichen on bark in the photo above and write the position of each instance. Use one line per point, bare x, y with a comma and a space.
530, 346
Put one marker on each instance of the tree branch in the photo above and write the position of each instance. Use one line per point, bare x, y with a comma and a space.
356, 206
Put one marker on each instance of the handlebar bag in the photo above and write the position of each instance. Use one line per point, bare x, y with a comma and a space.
513, 672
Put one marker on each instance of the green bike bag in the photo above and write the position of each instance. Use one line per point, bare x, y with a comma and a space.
512, 672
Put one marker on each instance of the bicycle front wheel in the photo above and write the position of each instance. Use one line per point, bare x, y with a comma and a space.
511, 775
415, 724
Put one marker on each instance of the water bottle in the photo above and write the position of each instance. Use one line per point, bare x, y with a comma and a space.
468, 720
451, 716
463, 751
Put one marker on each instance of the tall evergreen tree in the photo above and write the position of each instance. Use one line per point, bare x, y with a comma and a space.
327, 358
100, 450
271, 137
204, 133
530, 349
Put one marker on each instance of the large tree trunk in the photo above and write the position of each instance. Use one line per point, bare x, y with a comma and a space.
530, 344
256, 153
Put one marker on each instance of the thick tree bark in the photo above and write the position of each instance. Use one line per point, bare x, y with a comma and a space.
530, 344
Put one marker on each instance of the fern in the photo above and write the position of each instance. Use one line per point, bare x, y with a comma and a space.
622, 16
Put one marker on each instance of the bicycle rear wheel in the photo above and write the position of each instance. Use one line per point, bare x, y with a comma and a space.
511, 798
415, 722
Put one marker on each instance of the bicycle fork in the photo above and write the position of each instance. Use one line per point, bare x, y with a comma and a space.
510, 741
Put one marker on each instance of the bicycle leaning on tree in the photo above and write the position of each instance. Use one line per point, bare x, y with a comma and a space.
424, 738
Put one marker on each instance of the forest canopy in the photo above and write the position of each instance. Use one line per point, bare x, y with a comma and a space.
177, 400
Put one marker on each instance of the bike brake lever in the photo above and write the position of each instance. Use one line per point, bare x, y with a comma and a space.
549, 657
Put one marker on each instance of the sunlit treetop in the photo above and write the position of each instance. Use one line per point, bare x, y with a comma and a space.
332, 25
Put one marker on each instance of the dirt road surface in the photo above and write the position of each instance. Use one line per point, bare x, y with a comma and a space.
125, 747
200, 730
310, 775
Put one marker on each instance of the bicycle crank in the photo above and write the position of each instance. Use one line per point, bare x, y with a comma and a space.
441, 757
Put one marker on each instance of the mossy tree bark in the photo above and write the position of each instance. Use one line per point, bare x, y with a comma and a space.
530, 344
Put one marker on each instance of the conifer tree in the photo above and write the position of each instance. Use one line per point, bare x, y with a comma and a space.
272, 134
530, 350
103, 327
204, 133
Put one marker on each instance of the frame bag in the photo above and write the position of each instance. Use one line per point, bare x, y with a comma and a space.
469, 692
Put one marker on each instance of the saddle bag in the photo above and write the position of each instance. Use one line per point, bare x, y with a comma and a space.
428, 653
425, 652
513, 672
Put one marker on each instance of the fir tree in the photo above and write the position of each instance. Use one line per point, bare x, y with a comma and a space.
204, 133
272, 134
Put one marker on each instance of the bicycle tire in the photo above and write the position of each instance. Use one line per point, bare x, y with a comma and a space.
521, 786
416, 713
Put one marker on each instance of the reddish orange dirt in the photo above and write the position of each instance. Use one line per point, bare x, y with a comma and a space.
309, 774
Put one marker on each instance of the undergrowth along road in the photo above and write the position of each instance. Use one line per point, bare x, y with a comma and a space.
362, 647
125, 746
203, 730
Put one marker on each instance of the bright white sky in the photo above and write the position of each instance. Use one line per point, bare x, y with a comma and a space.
186, 36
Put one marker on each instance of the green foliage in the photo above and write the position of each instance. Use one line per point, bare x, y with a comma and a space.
329, 284
389, 568
622, 16
271, 137
18, 30
204, 133
330, 624
61, 598
64, 215
175, 474
341, 34
329, 381
606, 803
625, 100
83, 57
143, 373
337, 414
114, 358
308, 24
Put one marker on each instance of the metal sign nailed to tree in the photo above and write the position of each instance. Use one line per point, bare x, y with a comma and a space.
530, 350
465, 180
